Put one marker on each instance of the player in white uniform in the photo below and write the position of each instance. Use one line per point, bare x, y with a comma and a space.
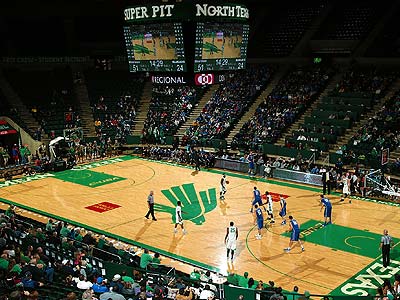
231, 237
178, 217
222, 188
270, 207
346, 187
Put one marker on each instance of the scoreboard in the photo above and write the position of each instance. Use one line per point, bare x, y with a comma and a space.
186, 37
220, 46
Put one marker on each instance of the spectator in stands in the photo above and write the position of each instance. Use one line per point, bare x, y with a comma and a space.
29, 283
244, 281
206, 293
100, 286
82, 283
113, 294
88, 295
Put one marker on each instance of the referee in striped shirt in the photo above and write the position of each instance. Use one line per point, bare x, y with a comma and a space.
386, 244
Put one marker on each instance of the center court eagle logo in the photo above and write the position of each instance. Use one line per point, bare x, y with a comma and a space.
194, 205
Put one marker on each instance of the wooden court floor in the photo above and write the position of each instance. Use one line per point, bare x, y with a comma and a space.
118, 191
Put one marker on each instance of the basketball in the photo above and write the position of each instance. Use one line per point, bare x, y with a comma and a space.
227, 182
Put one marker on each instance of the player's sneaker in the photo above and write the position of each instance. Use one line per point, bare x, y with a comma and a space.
286, 249
350, 201
272, 222
341, 199
283, 223
302, 249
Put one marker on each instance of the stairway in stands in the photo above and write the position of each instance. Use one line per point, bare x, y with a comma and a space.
141, 113
196, 111
296, 125
86, 113
252, 109
349, 133
15, 102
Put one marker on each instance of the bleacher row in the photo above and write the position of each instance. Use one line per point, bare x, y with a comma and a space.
55, 260
59, 261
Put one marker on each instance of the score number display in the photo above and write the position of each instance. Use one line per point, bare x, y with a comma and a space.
220, 46
155, 47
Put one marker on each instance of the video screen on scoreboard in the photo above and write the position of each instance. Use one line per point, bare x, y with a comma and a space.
220, 46
155, 47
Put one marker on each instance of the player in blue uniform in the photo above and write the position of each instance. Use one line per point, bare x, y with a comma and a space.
294, 227
252, 167
282, 212
260, 221
325, 203
256, 199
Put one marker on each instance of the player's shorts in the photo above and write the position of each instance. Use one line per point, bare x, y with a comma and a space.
282, 213
328, 212
231, 244
258, 201
260, 223
251, 166
295, 235
178, 222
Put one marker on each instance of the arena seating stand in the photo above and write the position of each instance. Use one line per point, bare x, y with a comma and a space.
293, 93
47, 93
227, 105
358, 92
380, 132
113, 95
283, 27
169, 108
387, 42
70, 257
350, 20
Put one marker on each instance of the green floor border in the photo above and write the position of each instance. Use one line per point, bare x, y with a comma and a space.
115, 236
363, 271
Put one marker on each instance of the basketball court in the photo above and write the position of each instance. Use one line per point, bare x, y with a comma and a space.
110, 197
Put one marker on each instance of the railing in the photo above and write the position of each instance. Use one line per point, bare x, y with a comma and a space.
91, 248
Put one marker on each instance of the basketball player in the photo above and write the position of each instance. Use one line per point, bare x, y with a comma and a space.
294, 227
346, 187
270, 207
260, 221
256, 199
252, 167
231, 237
325, 203
222, 189
178, 217
282, 213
